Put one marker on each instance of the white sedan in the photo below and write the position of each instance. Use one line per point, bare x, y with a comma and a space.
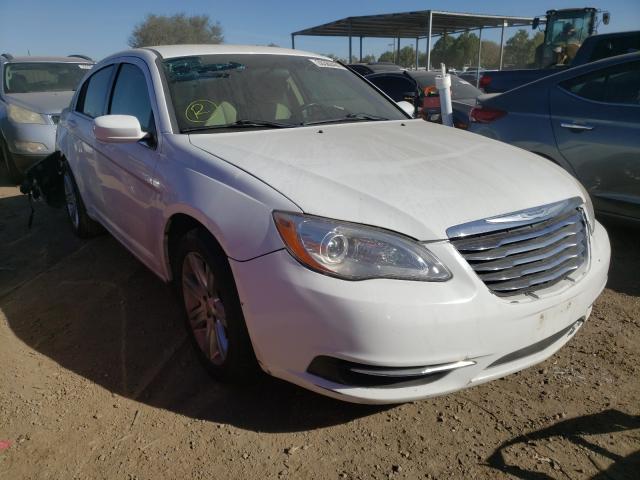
313, 229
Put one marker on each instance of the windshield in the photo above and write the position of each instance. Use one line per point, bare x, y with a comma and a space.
43, 77
568, 27
221, 92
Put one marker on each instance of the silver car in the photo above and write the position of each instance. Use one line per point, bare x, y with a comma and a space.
585, 119
34, 91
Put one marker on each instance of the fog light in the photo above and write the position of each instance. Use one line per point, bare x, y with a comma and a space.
31, 147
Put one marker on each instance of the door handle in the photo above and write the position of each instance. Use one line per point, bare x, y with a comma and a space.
576, 126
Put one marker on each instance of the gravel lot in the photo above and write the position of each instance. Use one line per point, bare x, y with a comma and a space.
97, 381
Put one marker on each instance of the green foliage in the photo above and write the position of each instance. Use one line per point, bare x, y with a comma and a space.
175, 29
407, 57
519, 50
463, 51
387, 57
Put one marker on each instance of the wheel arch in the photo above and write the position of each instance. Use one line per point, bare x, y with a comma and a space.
176, 226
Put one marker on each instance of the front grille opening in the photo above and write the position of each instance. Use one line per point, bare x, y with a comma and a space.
360, 375
523, 259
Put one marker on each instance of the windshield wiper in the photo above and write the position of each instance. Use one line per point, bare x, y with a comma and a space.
240, 124
351, 117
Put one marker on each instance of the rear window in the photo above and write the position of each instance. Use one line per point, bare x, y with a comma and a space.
43, 76
617, 84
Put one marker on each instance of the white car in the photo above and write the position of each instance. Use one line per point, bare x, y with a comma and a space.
314, 229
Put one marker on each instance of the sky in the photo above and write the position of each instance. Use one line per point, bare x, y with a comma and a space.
99, 28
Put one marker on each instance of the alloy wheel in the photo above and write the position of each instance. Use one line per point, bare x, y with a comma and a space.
71, 201
205, 310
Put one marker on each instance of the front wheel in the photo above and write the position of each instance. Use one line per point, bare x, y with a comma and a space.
214, 318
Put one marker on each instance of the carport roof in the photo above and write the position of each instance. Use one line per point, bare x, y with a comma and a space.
412, 24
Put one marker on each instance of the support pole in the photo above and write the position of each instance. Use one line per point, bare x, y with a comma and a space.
417, 56
479, 58
429, 40
350, 45
360, 48
293, 41
504, 24
397, 61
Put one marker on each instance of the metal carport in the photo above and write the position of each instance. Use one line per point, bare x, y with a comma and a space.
419, 25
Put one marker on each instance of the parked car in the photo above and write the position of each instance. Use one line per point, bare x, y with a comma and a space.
471, 74
586, 119
374, 67
307, 222
594, 48
419, 88
33, 93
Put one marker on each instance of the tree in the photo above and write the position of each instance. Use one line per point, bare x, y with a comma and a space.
519, 50
175, 29
387, 56
369, 58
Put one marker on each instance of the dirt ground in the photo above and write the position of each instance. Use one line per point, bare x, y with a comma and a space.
97, 381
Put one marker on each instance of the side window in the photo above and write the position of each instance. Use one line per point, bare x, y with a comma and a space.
396, 87
618, 84
131, 96
624, 86
93, 94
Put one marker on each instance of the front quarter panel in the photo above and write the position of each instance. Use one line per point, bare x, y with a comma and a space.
233, 205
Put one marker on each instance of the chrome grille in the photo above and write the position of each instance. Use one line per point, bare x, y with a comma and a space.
527, 250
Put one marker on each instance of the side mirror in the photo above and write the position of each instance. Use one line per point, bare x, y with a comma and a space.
407, 108
117, 129
606, 17
536, 23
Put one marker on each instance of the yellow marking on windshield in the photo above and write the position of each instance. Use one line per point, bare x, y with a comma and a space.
199, 111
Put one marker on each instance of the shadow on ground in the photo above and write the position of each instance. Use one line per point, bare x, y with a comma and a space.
95, 310
575, 430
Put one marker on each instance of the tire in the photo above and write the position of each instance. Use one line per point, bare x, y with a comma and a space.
81, 224
213, 314
13, 173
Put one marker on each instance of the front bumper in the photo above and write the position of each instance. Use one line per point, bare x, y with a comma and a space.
295, 315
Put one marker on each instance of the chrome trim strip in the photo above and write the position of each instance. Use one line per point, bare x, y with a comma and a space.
412, 371
495, 240
526, 258
514, 219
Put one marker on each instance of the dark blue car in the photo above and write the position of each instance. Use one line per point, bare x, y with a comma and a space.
585, 119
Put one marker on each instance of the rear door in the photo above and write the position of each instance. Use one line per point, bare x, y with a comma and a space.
596, 122
81, 152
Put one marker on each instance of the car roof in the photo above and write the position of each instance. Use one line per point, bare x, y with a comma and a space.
46, 59
172, 51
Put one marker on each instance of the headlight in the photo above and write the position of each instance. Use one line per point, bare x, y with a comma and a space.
588, 208
356, 252
22, 115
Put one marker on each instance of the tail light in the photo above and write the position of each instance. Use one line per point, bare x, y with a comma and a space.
485, 81
483, 114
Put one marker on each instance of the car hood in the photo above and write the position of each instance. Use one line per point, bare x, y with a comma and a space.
42, 102
408, 176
